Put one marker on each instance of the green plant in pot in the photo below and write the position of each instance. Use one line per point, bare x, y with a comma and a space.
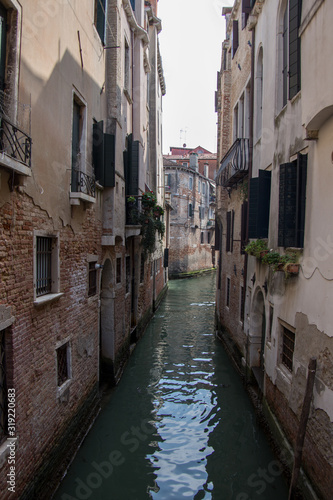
257, 248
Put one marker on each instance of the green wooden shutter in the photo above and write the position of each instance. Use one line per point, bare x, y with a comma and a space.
166, 258
302, 161
259, 205
109, 160
100, 19
218, 236
132, 167
295, 10
243, 226
234, 37
285, 58
287, 205
98, 152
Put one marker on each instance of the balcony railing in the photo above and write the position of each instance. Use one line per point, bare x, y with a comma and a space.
83, 183
235, 164
15, 135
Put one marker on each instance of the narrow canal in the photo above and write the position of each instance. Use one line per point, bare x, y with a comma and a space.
179, 424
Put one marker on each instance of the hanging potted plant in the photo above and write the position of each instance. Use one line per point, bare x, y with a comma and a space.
148, 200
158, 211
257, 248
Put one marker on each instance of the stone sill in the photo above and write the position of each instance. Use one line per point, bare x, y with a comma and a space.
45, 299
76, 198
14, 165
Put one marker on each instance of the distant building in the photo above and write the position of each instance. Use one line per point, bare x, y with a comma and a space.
192, 219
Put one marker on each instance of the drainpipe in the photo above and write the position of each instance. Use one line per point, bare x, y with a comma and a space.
249, 176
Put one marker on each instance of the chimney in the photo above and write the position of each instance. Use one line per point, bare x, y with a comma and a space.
194, 161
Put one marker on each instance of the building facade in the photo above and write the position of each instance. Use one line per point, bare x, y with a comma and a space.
74, 293
286, 318
192, 219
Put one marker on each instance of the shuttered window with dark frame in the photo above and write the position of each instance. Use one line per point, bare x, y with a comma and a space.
104, 156
99, 18
295, 13
235, 38
243, 226
288, 347
292, 202
92, 279
259, 204
3, 48
230, 231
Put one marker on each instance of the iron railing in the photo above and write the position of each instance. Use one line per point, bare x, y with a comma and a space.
235, 164
83, 183
15, 129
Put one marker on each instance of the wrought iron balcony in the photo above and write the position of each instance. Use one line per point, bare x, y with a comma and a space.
83, 183
235, 164
15, 135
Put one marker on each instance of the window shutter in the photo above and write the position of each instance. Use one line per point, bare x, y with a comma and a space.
302, 162
227, 247
243, 226
190, 210
100, 19
295, 8
109, 160
285, 58
98, 152
234, 37
133, 4
287, 205
218, 233
232, 230
259, 205
246, 9
166, 258
132, 167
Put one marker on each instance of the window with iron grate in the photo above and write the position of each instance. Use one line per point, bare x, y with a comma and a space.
288, 346
63, 369
92, 279
43, 265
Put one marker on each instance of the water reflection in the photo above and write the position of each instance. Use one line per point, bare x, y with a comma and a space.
179, 425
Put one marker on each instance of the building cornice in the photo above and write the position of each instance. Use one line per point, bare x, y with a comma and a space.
160, 70
137, 29
153, 19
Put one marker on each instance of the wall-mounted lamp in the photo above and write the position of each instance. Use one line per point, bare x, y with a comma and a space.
98, 266
253, 279
249, 43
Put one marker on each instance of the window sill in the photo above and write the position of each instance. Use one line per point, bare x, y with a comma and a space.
14, 165
63, 388
76, 198
45, 299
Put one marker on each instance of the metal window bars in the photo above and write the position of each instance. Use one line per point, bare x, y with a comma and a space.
62, 365
43, 265
81, 181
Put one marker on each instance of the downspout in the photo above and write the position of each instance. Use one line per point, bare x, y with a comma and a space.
249, 177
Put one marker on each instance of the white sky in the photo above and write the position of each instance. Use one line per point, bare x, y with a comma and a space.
190, 42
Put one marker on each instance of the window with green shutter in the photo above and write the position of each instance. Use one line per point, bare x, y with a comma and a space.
259, 204
103, 156
99, 18
295, 12
292, 201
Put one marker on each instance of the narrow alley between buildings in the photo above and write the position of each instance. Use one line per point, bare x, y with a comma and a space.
180, 423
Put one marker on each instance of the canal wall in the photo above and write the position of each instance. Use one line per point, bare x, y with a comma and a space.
271, 410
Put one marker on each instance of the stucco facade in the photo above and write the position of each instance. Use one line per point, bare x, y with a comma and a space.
75, 294
287, 317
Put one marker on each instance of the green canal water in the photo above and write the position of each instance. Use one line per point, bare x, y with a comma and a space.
179, 424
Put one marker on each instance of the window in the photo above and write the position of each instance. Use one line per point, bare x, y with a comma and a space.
234, 35
202, 237
290, 48
203, 188
99, 18
118, 270
190, 183
288, 346
103, 156
133, 4
242, 304
199, 186
127, 67
209, 237
63, 364
230, 231
246, 9
243, 226
142, 268
259, 93
128, 273
228, 293
3, 48
292, 200
271, 314
78, 143
46, 263
259, 204
92, 280
167, 181
205, 170
190, 210
201, 212
3, 388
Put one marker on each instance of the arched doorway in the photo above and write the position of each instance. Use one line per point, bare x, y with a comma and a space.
107, 324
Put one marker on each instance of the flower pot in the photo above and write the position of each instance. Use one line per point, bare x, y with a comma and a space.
292, 268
